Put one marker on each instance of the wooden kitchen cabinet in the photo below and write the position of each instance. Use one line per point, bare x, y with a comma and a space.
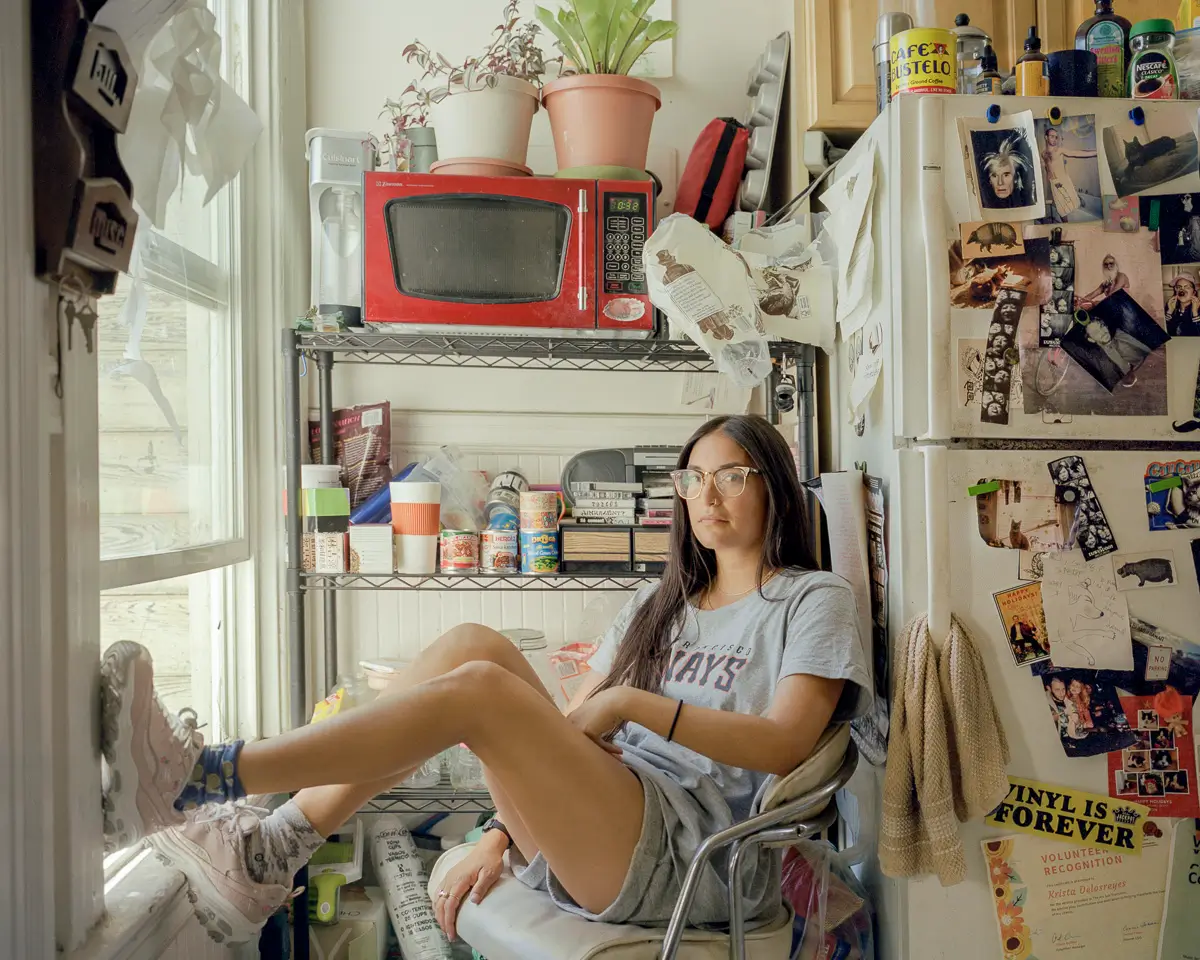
837, 78
1057, 19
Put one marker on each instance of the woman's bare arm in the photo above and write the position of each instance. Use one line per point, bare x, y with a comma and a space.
800, 711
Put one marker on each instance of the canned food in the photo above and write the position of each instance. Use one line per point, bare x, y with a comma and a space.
921, 60
460, 551
539, 551
498, 551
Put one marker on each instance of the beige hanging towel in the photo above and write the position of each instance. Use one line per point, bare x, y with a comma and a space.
919, 832
978, 747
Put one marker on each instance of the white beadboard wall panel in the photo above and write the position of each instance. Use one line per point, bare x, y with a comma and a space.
389, 623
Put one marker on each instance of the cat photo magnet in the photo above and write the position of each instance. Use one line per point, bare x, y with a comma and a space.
1022, 515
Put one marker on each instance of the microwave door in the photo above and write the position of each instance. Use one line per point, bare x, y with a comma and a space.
480, 253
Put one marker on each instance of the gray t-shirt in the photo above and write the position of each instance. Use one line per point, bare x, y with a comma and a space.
805, 622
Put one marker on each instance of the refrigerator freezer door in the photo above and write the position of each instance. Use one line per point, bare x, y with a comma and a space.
926, 333
977, 571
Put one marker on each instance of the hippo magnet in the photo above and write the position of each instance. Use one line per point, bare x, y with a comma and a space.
1143, 571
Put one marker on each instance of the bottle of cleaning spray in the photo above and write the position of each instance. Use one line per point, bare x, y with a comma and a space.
1033, 80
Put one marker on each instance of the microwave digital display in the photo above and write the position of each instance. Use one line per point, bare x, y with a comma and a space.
623, 235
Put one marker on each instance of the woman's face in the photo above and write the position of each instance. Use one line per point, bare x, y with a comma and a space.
726, 523
1076, 688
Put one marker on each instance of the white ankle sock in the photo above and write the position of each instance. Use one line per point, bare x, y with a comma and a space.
283, 843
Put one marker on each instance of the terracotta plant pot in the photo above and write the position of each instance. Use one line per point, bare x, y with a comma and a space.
601, 119
480, 167
493, 122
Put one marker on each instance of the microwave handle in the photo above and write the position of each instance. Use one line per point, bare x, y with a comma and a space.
582, 211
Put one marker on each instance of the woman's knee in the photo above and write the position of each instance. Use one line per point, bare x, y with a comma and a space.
473, 642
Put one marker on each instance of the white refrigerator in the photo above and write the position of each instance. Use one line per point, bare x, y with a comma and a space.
926, 438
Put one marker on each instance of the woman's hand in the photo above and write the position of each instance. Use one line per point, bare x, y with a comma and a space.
474, 876
599, 715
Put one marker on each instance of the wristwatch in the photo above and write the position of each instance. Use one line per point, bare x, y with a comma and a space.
495, 824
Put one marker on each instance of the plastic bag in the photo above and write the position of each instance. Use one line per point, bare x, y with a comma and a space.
833, 913
704, 287
464, 491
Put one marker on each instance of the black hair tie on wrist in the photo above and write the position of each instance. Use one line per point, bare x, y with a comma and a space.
678, 711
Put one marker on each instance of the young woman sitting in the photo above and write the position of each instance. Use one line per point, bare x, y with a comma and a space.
725, 672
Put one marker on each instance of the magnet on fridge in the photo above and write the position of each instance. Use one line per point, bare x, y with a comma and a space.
1138, 116
993, 113
1157, 486
1066, 494
981, 488
1152, 220
1054, 115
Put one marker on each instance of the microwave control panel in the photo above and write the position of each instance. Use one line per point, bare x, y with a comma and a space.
623, 233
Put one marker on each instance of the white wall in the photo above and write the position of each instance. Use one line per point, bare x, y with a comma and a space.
354, 60
502, 418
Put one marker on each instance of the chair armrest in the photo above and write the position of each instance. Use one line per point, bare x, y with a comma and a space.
786, 814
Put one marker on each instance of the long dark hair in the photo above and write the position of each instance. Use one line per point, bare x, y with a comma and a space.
642, 655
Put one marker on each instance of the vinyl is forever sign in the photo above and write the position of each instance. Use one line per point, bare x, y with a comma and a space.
1073, 816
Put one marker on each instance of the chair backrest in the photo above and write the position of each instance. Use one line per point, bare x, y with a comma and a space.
819, 768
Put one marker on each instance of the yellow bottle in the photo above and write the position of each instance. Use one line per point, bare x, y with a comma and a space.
1032, 77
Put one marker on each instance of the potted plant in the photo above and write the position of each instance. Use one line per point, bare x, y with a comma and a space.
599, 115
482, 109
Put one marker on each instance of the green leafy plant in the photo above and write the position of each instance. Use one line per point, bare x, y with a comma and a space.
605, 36
512, 52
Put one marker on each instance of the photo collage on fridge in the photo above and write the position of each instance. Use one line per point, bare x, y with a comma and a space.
1084, 291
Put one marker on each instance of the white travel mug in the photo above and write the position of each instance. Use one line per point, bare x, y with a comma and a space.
416, 523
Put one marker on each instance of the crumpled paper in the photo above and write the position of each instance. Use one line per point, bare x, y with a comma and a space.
185, 116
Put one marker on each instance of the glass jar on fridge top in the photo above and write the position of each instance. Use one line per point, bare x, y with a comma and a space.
1152, 74
1106, 34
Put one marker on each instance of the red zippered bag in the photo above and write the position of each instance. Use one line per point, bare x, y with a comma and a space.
708, 189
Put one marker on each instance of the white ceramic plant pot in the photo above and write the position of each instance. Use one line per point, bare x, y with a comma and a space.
493, 122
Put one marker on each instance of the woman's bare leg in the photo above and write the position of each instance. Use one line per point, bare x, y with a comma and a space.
581, 806
327, 808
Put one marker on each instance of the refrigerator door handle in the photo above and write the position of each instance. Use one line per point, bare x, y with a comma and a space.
931, 155
937, 539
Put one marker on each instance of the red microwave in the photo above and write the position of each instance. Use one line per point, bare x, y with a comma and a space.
507, 254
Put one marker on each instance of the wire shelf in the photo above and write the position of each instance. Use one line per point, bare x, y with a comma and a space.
566, 583
515, 353
440, 799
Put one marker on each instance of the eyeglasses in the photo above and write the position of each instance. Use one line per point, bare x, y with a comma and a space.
729, 481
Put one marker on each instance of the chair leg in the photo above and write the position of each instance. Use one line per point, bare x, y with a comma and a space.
737, 904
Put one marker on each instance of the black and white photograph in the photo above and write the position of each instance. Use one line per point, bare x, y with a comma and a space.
1070, 170
1181, 299
1003, 169
1112, 338
1141, 157
1144, 571
1056, 387
976, 282
1087, 713
1178, 219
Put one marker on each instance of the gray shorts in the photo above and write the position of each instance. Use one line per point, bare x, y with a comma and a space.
669, 838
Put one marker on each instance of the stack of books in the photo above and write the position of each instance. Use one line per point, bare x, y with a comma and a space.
605, 502
650, 503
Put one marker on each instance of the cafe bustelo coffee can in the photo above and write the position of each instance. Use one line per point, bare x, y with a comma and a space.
921, 60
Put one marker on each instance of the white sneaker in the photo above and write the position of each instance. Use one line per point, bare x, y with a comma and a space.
147, 752
212, 849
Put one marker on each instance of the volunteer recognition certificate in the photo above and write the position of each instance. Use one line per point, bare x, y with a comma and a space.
1052, 899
